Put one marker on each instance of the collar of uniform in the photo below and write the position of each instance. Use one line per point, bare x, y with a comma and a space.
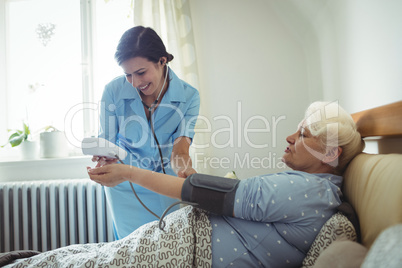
128, 91
175, 92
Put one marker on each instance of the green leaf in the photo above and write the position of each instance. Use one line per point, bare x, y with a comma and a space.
26, 130
16, 139
18, 136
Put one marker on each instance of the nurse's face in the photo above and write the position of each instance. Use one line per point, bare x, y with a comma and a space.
144, 75
304, 151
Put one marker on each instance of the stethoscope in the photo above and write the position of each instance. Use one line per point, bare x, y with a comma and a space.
150, 109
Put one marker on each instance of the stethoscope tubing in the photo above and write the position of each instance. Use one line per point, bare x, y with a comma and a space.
150, 108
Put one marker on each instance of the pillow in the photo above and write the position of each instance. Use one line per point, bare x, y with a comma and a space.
386, 249
346, 209
342, 253
337, 227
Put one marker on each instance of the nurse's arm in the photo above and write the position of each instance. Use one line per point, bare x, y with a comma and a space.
180, 160
112, 175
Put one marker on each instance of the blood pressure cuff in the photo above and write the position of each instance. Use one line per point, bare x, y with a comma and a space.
212, 193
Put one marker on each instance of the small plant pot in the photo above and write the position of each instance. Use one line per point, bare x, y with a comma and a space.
29, 150
53, 144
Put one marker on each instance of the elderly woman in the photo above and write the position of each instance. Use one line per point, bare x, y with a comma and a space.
269, 220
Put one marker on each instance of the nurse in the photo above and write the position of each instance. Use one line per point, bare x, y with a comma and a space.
150, 113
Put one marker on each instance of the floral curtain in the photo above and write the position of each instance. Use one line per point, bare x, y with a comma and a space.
171, 19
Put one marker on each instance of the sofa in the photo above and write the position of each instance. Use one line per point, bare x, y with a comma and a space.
373, 189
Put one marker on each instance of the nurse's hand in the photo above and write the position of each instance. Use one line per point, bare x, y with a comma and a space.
184, 173
102, 161
109, 175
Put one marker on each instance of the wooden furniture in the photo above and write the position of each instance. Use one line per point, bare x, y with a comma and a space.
384, 121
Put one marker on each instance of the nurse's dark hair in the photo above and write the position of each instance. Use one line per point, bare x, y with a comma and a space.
143, 42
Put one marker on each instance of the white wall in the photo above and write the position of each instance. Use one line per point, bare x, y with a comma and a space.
247, 58
356, 47
368, 35
359, 52
277, 56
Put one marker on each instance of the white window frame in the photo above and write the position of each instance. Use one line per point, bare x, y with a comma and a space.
87, 61
90, 119
3, 64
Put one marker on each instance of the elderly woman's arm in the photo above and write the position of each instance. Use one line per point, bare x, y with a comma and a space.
215, 194
112, 175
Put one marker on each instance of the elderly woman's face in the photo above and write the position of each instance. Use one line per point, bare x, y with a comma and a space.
304, 152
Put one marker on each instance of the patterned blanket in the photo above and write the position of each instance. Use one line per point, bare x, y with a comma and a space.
185, 242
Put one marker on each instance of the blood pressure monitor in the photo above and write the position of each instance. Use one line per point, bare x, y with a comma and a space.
101, 147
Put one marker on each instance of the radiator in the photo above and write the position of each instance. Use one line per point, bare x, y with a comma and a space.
44, 215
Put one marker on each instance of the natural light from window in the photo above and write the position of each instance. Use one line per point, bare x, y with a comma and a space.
55, 65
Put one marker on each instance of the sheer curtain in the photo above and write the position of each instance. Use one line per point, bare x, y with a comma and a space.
171, 19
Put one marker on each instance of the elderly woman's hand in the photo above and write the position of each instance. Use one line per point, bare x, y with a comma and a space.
109, 175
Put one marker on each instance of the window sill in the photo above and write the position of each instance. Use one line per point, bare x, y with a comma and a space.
44, 168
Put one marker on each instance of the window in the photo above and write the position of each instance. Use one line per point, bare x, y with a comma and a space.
58, 56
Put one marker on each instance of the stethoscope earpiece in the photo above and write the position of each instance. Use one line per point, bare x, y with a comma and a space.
163, 62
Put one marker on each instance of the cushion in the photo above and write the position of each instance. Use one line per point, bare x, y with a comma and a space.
9, 257
337, 227
386, 250
346, 209
342, 253
373, 186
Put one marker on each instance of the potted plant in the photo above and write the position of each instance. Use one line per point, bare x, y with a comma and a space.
29, 149
53, 143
